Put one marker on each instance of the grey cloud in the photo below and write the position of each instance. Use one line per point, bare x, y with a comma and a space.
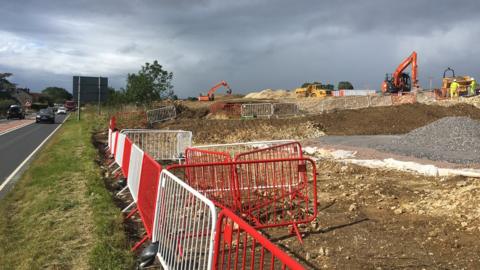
251, 44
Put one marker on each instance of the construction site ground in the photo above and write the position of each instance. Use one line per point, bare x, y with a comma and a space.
367, 218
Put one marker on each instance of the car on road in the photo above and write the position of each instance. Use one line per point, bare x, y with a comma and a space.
61, 110
15, 111
45, 115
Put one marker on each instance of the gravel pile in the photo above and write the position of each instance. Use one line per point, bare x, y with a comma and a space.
452, 139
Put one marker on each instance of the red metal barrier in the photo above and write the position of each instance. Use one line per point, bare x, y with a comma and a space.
231, 109
240, 246
147, 195
268, 193
214, 180
287, 150
195, 155
127, 150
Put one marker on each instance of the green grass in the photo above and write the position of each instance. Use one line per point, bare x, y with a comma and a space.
60, 215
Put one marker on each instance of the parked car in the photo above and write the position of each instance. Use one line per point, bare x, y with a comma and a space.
15, 111
61, 110
45, 115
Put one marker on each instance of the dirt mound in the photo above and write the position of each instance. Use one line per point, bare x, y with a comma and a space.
388, 120
185, 112
270, 94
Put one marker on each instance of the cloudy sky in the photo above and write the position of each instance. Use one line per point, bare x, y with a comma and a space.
252, 44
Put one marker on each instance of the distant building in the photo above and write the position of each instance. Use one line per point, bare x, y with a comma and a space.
91, 89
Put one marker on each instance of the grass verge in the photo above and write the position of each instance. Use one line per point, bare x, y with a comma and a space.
60, 215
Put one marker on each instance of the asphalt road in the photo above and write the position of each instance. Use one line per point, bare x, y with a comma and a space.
16, 146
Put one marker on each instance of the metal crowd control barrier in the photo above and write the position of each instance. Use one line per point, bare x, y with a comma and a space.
120, 145
161, 114
257, 110
161, 144
134, 171
237, 148
269, 193
195, 155
286, 150
184, 225
240, 246
127, 151
147, 196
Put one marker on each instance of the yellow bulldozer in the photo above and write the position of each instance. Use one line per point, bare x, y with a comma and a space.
313, 90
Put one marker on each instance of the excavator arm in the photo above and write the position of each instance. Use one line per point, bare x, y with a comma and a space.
212, 90
400, 81
218, 85
412, 59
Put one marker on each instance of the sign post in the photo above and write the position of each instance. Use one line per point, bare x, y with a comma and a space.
78, 99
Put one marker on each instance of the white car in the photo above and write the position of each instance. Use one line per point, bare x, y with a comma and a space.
62, 110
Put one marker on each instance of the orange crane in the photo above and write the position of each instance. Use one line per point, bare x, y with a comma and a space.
400, 81
210, 96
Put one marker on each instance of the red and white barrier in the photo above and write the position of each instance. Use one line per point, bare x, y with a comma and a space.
134, 171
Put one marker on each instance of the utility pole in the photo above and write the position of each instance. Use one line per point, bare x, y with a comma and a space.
99, 90
431, 78
78, 100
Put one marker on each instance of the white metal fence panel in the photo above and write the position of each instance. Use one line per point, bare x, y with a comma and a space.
184, 225
161, 114
236, 148
134, 171
120, 147
161, 144
257, 110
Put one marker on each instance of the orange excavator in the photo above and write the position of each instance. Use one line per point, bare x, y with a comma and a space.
210, 95
399, 81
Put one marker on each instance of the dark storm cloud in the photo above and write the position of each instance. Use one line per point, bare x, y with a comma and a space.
251, 44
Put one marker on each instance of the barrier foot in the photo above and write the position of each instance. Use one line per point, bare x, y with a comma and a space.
134, 210
139, 243
111, 164
116, 170
121, 191
124, 210
297, 232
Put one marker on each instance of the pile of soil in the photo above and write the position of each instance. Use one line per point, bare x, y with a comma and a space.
185, 112
388, 120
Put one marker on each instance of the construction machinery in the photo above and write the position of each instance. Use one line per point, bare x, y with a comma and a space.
210, 95
463, 81
399, 81
313, 90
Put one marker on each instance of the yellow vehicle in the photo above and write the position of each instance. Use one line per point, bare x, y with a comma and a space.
463, 81
313, 90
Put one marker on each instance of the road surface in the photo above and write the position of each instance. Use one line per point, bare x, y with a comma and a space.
17, 145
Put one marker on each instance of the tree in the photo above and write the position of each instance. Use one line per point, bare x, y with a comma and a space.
323, 86
117, 97
150, 84
5, 84
57, 94
345, 85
